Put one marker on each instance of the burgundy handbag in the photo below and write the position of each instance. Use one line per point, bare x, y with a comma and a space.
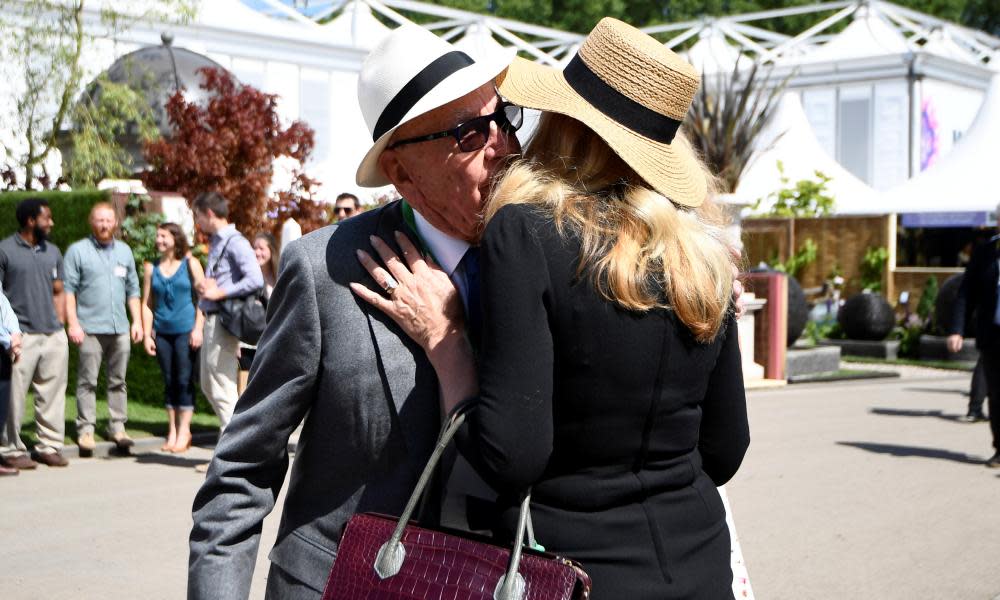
385, 558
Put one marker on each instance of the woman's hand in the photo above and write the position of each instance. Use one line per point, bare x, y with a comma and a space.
195, 338
150, 344
423, 300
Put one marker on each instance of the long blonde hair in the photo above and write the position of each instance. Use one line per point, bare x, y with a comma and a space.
643, 251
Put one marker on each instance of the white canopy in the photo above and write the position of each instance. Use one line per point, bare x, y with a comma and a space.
712, 53
965, 179
356, 26
869, 34
789, 138
478, 42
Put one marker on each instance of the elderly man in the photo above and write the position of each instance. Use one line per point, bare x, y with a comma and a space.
100, 282
371, 396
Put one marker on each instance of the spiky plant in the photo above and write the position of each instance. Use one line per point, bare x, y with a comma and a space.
727, 115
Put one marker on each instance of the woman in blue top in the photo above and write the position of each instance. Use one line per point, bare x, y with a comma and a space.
172, 326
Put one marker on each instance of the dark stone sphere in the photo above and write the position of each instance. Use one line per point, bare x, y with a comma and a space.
798, 310
867, 316
945, 304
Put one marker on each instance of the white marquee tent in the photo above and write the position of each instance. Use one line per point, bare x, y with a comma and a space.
788, 138
964, 181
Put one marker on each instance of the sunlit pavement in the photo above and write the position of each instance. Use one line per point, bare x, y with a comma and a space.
868, 490
849, 491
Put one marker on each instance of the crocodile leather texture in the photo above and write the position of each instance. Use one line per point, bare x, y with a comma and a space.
441, 566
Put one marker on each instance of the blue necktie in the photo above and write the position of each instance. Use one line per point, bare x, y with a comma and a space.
473, 310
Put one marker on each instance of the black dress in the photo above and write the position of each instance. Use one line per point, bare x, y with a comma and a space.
621, 422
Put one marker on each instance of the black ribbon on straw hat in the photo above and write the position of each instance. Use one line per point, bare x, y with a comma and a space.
616, 105
427, 79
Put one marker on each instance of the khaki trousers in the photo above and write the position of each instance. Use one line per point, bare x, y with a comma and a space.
114, 350
42, 368
219, 369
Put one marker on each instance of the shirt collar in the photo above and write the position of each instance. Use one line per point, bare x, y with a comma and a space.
101, 246
448, 251
225, 232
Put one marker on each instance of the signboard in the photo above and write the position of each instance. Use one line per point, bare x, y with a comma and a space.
950, 219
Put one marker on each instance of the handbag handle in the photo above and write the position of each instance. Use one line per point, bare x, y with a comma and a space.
391, 555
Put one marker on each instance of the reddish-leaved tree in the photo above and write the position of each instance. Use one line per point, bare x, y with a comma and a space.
229, 146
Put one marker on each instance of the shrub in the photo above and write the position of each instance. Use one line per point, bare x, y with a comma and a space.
872, 268
70, 210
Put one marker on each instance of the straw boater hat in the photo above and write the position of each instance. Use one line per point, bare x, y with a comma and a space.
409, 73
633, 92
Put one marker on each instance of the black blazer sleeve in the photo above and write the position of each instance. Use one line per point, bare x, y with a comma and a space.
511, 432
725, 431
968, 292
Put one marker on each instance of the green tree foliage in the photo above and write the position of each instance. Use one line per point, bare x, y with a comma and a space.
804, 198
873, 267
139, 229
42, 46
98, 121
802, 258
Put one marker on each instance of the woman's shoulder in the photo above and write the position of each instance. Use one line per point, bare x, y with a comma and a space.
527, 222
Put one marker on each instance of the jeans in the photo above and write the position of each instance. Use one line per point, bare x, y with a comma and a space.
175, 356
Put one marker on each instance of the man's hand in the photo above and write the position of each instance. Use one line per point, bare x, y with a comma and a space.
76, 334
150, 345
210, 290
954, 343
15, 346
136, 331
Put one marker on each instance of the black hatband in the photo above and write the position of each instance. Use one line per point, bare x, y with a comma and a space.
415, 89
616, 105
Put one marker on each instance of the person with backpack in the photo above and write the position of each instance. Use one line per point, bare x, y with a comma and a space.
232, 272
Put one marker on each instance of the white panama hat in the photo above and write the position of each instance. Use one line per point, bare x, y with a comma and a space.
409, 73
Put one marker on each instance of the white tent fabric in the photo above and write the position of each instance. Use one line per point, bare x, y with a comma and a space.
964, 180
712, 53
356, 26
869, 34
942, 44
478, 42
789, 138
233, 15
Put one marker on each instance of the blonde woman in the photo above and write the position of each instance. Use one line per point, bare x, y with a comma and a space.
609, 376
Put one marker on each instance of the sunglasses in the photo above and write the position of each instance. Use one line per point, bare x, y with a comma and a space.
474, 133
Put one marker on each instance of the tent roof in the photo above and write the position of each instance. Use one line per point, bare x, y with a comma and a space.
789, 138
478, 42
356, 26
712, 53
869, 34
964, 180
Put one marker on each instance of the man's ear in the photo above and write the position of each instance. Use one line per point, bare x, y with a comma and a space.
400, 176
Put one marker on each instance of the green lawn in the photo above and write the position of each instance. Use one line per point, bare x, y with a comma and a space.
146, 413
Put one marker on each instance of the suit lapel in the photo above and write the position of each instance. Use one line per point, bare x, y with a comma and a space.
407, 377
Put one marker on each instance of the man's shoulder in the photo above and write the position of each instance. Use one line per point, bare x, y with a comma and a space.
350, 234
78, 246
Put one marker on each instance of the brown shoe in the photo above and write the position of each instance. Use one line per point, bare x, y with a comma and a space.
86, 442
52, 459
122, 440
21, 462
7, 471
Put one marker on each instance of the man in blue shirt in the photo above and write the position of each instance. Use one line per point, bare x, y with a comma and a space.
232, 272
100, 281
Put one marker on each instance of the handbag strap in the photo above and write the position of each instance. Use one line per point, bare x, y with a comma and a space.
391, 555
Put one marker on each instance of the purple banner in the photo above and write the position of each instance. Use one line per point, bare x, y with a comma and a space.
948, 219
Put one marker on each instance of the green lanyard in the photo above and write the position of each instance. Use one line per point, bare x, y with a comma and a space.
411, 222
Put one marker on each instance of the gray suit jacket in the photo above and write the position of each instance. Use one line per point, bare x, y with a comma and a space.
370, 402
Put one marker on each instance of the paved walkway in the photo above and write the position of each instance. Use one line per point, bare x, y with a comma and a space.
867, 490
